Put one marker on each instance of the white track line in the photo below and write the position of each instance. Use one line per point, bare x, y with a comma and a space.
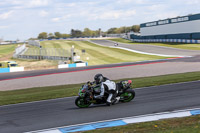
128, 120
140, 52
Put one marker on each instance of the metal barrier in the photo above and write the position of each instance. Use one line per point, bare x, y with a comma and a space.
41, 53
38, 57
73, 65
11, 69
19, 50
34, 43
167, 40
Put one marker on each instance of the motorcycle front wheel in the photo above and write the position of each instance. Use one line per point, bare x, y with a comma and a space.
127, 96
82, 103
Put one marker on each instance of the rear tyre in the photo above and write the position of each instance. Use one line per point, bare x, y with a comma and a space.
128, 95
82, 103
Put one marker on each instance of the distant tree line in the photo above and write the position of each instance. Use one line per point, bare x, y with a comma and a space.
89, 33
124, 29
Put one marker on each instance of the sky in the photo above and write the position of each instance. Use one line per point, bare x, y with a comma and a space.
23, 19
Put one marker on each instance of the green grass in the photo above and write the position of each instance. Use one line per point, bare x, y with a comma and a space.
43, 93
98, 54
7, 49
172, 45
94, 55
176, 125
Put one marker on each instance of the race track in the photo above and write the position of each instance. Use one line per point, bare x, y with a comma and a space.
114, 73
62, 112
53, 77
150, 48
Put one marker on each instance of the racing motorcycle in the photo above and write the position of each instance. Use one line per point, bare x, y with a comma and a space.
87, 92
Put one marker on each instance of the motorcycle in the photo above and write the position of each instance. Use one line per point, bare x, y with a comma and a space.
87, 92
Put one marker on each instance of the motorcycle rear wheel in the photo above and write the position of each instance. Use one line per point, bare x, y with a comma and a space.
81, 103
128, 95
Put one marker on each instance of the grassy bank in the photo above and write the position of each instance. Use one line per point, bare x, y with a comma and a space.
7, 50
172, 45
177, 125
43, 93
96, 55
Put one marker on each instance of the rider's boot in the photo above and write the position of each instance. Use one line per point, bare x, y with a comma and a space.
116, 100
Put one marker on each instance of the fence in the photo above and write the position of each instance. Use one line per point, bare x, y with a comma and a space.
167, 40
46, 53
34, 43
19, 50
38, 57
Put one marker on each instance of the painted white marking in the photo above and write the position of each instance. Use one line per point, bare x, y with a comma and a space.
49, 131
140, 52
155, 117
134, 119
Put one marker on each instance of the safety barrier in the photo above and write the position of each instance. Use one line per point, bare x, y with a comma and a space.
19, 50
167, 40
34, 43
73, 65
11, 69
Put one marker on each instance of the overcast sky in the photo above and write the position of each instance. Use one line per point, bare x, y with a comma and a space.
22, 19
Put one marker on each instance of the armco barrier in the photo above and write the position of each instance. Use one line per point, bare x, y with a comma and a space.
166, 40
12, 69
73, 65
16, 69
4, 70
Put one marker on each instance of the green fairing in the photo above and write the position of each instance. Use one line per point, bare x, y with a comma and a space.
128, 95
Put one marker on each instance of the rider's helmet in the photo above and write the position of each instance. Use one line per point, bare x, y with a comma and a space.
98, 78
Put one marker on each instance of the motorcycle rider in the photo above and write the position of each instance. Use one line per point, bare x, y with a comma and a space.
109, 86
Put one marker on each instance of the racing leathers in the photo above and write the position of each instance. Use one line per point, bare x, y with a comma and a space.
110, 87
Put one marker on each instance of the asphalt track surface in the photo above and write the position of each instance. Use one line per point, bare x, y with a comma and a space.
63, 112
151, 48
18, 75
53, 77
114, 73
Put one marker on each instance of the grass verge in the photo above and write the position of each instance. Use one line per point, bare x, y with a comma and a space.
52, 92
172, 45
7, 50
176, 125
94, 54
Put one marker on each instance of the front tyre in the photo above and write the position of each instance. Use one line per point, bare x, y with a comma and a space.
127, 96
82, 103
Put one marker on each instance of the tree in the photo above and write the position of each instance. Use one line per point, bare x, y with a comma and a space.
112, 31
42, 35
135, 28
58, 35
51, 36
76, 33
66, 35
87, 32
